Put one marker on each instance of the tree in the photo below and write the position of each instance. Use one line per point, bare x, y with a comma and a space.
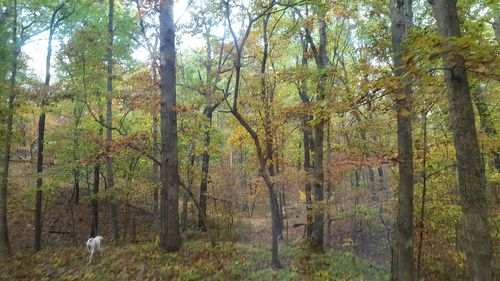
208, 112
109, 124
471, 174
170, 238
401, 22
320, 56
307, 139
206, 17
262, 156
4, 232
152, 47
58, 15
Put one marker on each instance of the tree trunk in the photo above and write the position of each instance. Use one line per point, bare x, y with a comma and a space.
205, 161
356, 226
424, 191
261, 154
94, 229
109, 126
156, 151
76, 172
170, 238
39, 183
488, 127
275, 224
471, 174
329, 188
401, 22
307, 140
190, 180
316, 241
496, 25
155, 165
4, 179
266, 99
41, 139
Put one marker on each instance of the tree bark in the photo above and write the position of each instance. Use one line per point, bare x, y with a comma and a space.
401, 22
170, 238
471, 173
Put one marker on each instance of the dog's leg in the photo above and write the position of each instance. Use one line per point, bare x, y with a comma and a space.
91, 253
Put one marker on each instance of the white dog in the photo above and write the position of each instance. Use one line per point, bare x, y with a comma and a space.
94, 244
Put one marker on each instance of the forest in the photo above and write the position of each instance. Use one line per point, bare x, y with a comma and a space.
249, 140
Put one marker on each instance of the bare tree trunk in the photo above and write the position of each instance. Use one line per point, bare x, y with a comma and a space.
401, 22
471, 174
170, 238
110, 178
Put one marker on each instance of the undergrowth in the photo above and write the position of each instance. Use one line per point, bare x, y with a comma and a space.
196, 261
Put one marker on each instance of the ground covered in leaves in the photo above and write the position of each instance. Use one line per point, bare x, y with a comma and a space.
196, 261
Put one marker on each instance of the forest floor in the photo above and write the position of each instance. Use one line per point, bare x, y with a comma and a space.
247, 257
195, 261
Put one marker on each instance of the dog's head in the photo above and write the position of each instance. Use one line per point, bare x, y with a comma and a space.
98, 238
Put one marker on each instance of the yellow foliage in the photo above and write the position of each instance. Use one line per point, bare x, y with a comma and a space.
238, 136
302, 196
